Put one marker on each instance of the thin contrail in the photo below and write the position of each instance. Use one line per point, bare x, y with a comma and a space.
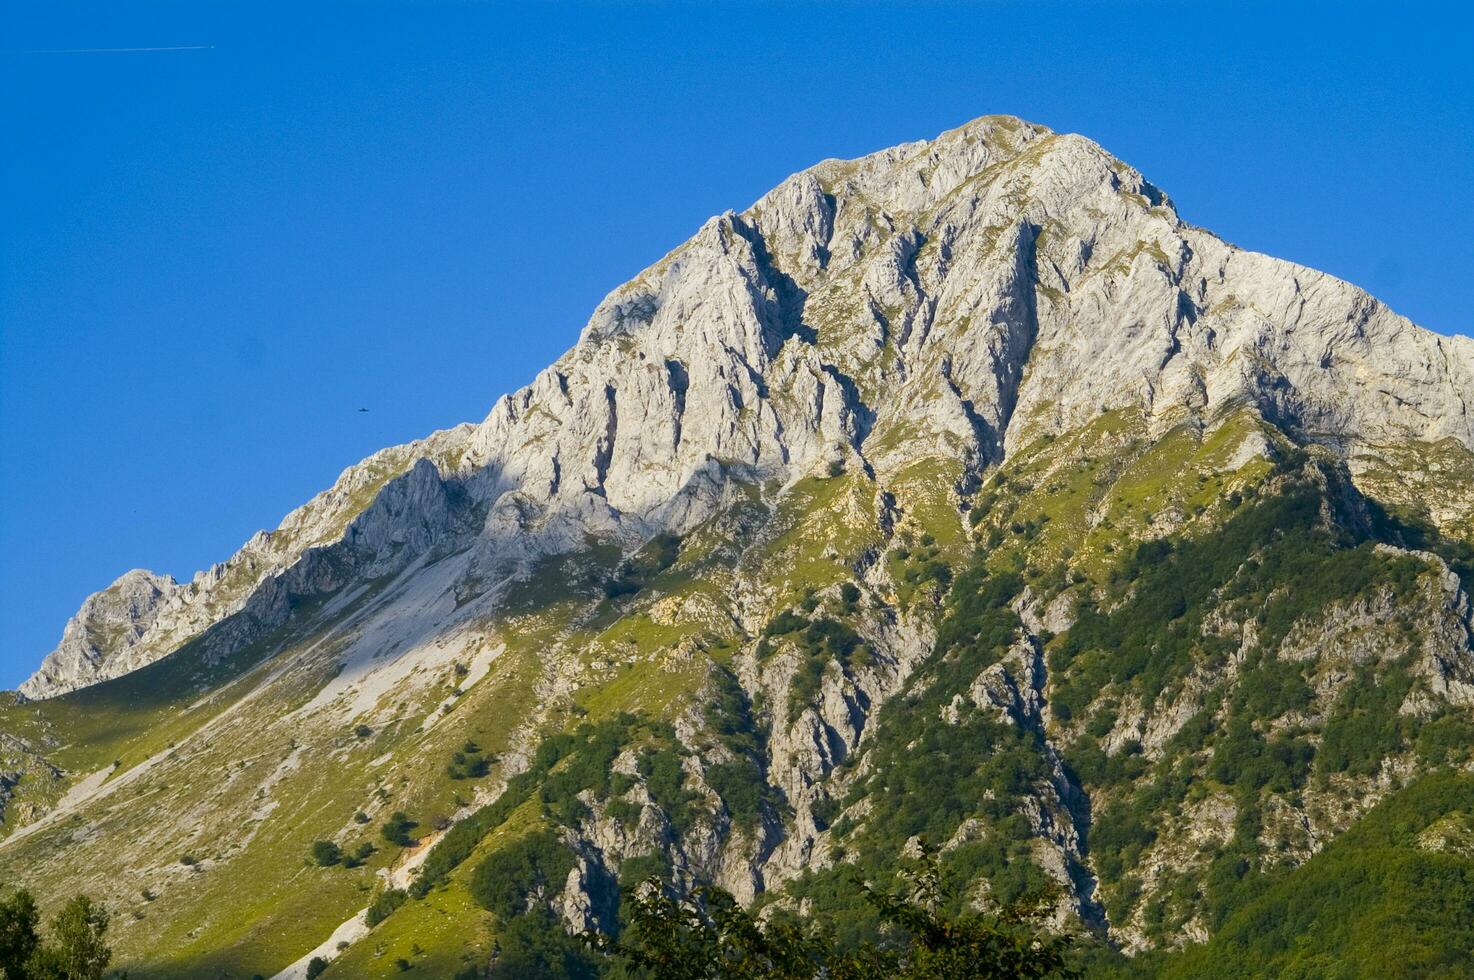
176, 47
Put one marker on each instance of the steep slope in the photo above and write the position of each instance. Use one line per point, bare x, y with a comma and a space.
961, 491
142, 616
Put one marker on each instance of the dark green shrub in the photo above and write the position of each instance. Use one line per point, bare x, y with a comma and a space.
504, 879
396, 829
384, 903
325, 853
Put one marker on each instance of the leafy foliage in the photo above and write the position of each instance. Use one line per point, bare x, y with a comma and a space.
1382, 900
467, 762
566, 766
665, 781
535, 946
460, 840
325, 853
711, 937
384, 903
396, 830
1275, 561
504, 881
1366, 725
77, 949
927, 776
820, 641
741, 783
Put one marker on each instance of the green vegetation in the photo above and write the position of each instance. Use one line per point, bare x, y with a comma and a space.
711, 937
820, 642
76, 949
818, 528
536, 945
384, 903
741, 783
1212, 631
504, 881
325, 853
565, 766
1366, 725
1275, 562
665, 781
396, 830
468, 763
918, 565
1376, 902
359, 855
926, 778
660, 553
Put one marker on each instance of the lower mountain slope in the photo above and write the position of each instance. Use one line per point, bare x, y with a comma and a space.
1160, 670
1388, 898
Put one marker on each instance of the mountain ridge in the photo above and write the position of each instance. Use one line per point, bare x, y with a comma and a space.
801, 225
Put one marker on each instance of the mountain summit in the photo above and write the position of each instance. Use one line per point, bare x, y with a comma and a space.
986, 287
962, 491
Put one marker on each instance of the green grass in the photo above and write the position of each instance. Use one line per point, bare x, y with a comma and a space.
130, 718
819, 528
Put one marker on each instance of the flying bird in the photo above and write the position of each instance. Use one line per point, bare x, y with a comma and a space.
363, 410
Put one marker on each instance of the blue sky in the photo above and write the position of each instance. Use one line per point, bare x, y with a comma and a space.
209, 260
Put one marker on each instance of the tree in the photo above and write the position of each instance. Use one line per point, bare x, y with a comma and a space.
315, 966
396, 829
535, 945
326, 853
710, 937
77, 950
504, 880
78, 932
972, 945
383, 905
18, 940
359, 854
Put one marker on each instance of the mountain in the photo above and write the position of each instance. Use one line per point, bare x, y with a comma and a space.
961, 492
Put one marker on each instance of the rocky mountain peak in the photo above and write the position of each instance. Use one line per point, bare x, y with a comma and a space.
958, 296
106, 630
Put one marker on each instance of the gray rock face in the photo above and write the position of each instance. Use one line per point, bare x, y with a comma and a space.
142, 616
20, 760
956, 296
104, 636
